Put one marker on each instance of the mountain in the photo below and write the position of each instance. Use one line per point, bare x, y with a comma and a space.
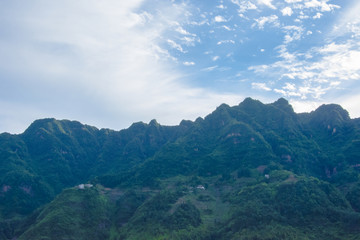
251, 171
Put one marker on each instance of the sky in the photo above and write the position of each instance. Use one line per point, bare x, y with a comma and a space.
109, 63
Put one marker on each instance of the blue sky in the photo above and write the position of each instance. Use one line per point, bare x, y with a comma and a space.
111, 63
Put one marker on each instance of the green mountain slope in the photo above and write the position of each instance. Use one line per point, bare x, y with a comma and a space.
251, 171
73, 214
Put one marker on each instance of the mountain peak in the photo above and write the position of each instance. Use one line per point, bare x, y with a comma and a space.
153, 123
330, 115
281, 101
223, 106
52, 125
44, 123
249, 100
251, 104
283, 104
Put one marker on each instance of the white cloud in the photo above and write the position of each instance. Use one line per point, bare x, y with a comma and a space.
335, 83
200, 23
215, 58
267, 3
145, 17
260, 22
227, 28
349, 22
181, 30
175, 45
334, 48
219, 19
189, 41
259, 68
261, 86
285, 54
289, 86
293, 33
230, 54
334, 64
303, 16
320, 71
244, 6
342, 65
317, 16
209, 69
289, 90
225, 41
322, 5
189, 63
293, 1
287, 93
287, 11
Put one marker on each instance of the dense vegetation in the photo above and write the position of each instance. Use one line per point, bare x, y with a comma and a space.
252, 171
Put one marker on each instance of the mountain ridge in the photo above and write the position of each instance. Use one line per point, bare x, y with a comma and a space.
230, 150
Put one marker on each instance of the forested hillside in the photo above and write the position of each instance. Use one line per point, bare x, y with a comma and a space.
251, 171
